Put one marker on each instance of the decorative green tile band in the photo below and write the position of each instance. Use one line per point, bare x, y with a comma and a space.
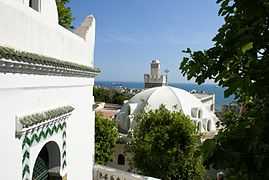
37, 135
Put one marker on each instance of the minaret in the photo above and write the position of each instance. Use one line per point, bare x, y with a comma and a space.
155, 78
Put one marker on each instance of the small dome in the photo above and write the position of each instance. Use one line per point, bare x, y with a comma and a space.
174, 99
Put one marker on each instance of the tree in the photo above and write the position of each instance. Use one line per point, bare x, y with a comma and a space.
110, 95
64, 14
166, 145
239, 61
106, 135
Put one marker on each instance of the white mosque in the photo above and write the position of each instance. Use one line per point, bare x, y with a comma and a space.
199, 107
46, 90
174, 99
46, 96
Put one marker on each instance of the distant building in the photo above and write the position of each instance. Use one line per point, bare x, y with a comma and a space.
207, 99
199, 107
174, 99
155, 78
107, 110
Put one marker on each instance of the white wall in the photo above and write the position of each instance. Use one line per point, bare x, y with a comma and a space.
25, 29
27, 94
10, 154
28, 30
120, 149
117, 174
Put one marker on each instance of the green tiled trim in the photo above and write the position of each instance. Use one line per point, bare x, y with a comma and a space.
13, 61
34, 137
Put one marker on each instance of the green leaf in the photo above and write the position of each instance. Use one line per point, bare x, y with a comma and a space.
247, 47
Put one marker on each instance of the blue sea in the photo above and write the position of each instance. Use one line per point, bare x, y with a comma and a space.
209, 88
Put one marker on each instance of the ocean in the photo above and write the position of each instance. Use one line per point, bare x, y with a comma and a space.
208, 88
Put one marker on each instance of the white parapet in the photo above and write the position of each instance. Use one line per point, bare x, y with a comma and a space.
104, 172
37, 31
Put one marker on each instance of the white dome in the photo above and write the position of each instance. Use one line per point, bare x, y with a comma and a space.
173, 99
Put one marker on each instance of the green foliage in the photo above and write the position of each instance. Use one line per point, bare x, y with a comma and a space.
166, 145
239, 58
239, 61
65, 14
242, 147
106, 135
110, 95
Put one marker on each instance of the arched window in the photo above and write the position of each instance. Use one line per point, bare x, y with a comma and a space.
121, 159
194, 112
35, 4
199, 113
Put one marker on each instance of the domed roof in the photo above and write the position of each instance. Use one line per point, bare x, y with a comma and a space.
174, 99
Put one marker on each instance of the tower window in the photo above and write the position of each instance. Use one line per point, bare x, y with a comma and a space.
35, 4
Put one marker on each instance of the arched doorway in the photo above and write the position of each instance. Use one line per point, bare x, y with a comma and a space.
47, 164
121, 159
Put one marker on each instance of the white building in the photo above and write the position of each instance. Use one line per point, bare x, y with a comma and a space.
208, 100
46, 91
173, 99
155, 78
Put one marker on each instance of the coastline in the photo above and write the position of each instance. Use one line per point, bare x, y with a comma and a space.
207, 88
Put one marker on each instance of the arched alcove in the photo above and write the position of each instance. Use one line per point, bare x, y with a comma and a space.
48, 163
121, 159
199, 113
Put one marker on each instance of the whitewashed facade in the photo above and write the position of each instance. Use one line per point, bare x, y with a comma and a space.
46, 90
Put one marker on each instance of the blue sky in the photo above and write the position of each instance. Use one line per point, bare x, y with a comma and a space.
131, 33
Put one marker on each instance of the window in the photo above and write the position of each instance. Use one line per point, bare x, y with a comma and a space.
194, 112
121, 159
212, 107
209, 125
199, 114
35, 4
